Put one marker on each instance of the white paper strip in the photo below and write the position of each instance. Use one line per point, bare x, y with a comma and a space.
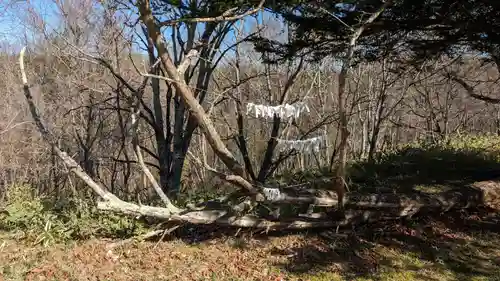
303, 146
285, 111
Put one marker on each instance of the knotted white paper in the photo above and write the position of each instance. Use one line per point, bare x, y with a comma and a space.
303, 146
272, 194
283, 111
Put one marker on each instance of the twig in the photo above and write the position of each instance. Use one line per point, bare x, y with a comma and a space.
9, 127
157, 77
235, 179
336, 17
165, 232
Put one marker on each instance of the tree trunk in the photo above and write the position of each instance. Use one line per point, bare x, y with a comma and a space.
182, 89
268, 156
373, 141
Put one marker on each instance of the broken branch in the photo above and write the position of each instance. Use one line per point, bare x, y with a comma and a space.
110, 201
144, 168
72, 165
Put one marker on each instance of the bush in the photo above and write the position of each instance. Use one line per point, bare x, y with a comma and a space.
43, 220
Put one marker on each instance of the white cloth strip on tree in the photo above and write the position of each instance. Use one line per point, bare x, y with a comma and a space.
283, 111
303, 146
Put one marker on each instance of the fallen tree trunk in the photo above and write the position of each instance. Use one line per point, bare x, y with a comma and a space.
373, 205
359, 207
478, 194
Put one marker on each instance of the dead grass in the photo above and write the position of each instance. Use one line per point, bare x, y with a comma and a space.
422, 251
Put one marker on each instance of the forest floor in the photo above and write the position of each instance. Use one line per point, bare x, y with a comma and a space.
459, 246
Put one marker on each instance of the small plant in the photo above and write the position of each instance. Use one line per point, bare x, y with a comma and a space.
40, 220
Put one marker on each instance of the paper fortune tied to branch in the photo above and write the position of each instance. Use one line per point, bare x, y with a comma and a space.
283, 111
306, 146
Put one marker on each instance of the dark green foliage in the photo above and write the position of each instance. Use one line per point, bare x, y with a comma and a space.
409, 30
459, 162
199, 9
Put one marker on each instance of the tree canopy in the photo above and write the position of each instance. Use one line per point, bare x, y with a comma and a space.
408, 30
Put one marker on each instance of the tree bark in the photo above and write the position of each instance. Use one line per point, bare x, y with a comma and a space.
183, 90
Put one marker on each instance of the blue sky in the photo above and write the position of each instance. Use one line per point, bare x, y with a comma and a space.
14, 31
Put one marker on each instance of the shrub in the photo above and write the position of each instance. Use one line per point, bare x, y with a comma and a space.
44, 220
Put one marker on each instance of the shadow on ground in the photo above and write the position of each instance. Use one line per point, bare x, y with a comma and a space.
435, 168
443, 248
457, 245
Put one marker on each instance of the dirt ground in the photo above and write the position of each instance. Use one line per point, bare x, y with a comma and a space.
464, 247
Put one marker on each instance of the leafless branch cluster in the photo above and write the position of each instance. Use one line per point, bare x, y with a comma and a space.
168, 118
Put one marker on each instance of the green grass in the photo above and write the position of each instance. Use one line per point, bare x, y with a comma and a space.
419, 166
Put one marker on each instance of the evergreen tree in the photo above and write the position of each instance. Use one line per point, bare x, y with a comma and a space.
407, 30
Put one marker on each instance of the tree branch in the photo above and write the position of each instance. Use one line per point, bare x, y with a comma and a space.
183, 90
224, 17
110, 200
470, 90
72, 165
146, 170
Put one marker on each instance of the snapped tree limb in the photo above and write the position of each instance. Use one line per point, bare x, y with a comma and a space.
144, 168
49, 138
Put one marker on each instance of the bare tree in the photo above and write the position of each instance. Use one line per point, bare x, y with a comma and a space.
155, 113
347, 60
